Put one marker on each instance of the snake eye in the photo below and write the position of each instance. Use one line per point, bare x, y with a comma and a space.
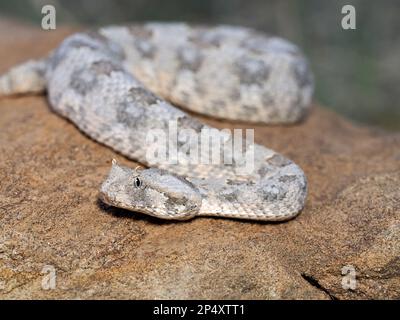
138, 183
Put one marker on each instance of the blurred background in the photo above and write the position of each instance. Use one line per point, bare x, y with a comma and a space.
357, 71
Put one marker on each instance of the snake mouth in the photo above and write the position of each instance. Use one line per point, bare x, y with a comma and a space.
104, 198
107, 199
111, 201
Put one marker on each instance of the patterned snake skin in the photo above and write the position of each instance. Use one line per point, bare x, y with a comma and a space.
114, 84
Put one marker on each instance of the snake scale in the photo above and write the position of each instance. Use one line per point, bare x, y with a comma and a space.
118, 83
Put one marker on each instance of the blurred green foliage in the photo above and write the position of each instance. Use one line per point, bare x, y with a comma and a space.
357, 71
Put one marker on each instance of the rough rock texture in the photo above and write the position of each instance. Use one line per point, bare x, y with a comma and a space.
50, 215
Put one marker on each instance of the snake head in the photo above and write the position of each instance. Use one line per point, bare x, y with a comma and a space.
152, 191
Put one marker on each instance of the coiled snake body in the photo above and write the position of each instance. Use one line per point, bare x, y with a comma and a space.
114, 84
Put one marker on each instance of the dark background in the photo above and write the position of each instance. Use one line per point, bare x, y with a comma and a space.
357, 71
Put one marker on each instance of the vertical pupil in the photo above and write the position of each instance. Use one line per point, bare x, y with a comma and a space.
137, 182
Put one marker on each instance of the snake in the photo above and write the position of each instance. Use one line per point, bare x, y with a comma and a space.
119, 84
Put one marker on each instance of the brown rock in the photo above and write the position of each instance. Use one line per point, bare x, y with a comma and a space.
49, 214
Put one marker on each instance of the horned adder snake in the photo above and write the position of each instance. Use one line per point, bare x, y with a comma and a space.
114, 84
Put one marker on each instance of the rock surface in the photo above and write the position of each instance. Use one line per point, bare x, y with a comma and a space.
50, 215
